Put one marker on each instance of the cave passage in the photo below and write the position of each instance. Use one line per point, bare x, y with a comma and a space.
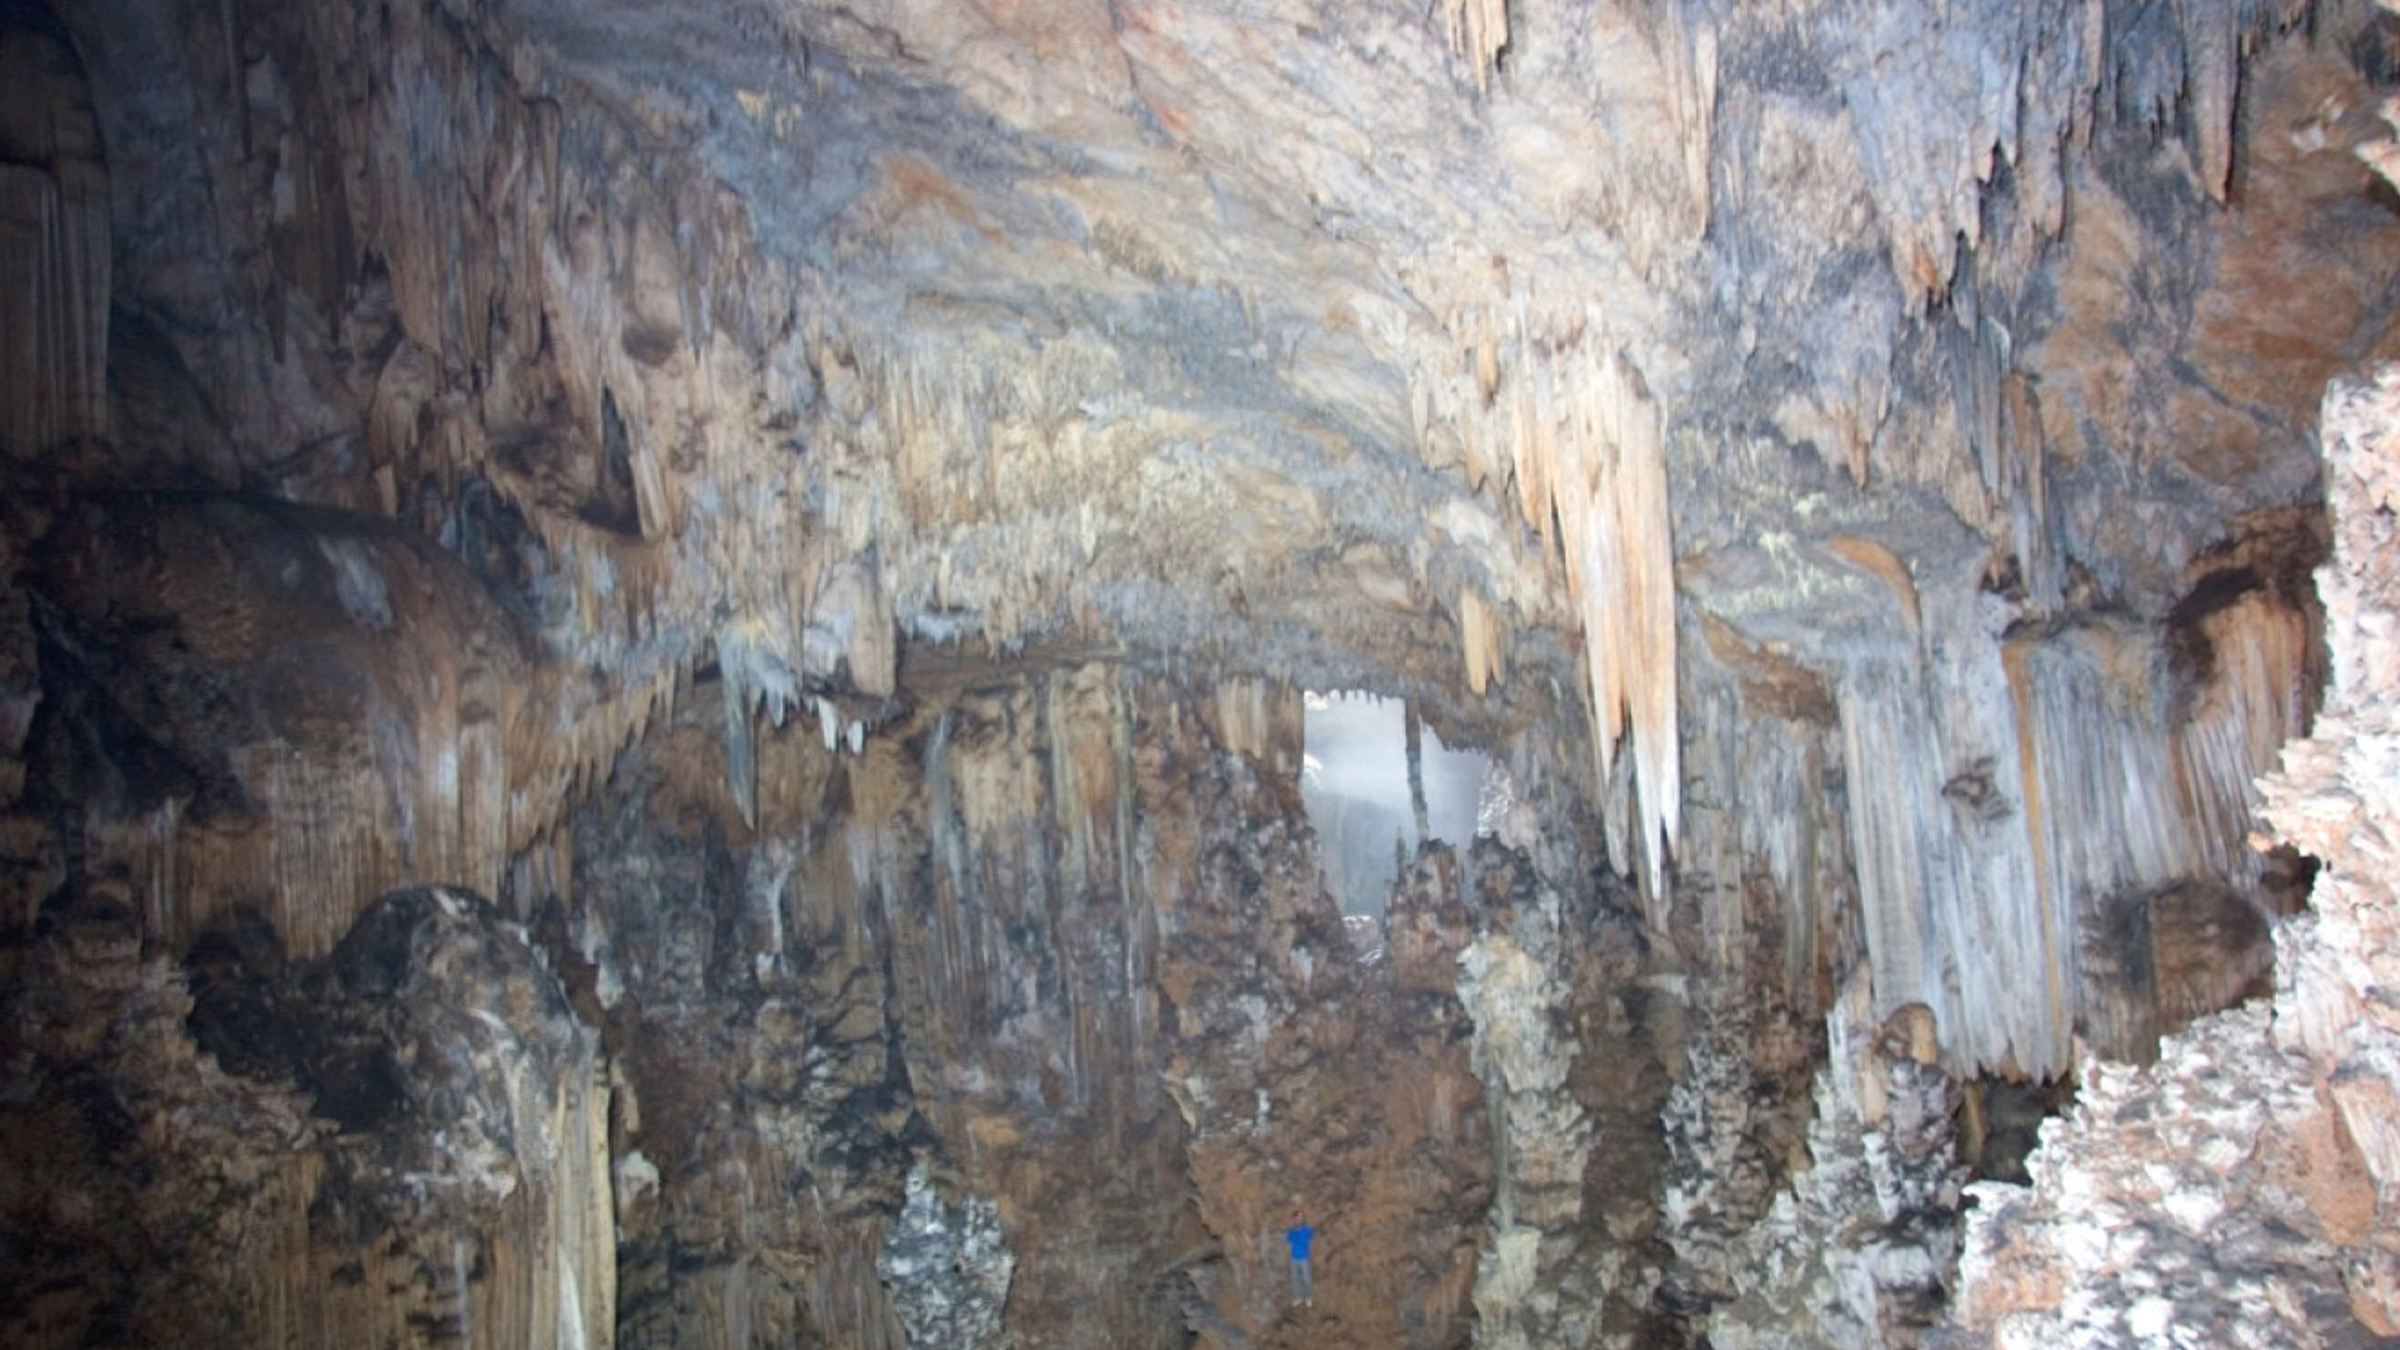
1355, 783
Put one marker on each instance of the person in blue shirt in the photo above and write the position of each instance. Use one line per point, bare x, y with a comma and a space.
1304, 1281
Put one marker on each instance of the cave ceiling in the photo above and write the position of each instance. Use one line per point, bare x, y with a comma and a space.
1474, 353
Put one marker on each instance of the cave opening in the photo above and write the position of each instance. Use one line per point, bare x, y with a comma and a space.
1378, 784
2000, 1120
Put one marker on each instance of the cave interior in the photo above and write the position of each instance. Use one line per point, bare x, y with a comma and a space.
804, 673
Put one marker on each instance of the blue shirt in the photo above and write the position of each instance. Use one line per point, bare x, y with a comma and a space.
1299, 1235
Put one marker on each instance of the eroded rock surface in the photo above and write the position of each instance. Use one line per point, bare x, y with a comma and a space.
404, 1142
2238, 1192
823, 515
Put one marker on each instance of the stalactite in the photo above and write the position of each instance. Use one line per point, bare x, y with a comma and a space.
976, 889
741, 751
2262, 671
388, 723
2198, 1153
2021, 810
54, 249
2102, 814
1940, 105
1688, 58
1478, 32
1550, 398
855, 604
1762, 732
1479, 643
1262, 719
1946, 872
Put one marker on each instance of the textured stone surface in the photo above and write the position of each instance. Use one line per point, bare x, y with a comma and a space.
1574, 1022
824, 513
1057, 947
404, 1141
1858, 1248
2239, 1191
949, 1266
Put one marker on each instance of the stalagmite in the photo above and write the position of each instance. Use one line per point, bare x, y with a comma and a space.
1543, 1136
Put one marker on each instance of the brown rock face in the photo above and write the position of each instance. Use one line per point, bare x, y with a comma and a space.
1055, 946
404, 1142
653, 664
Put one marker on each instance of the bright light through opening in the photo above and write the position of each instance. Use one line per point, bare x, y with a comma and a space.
1354, 782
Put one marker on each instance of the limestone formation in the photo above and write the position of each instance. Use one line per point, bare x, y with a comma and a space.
949, 1267
407, 1140
2240, 1191
655, 663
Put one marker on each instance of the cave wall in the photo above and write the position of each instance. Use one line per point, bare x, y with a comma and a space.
2240, 1190
404, 1143
458, 280
1048, 948
828, 544
1054, 942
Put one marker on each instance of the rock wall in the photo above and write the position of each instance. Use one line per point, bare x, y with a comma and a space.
1574, 1041
694, 371
405, 1141
1858, 1247
1028, 1025
2239, 1191
2048, 724
1048, 946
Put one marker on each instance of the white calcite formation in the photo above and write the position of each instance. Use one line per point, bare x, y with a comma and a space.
2175, 1206
1856, 1250
2337, 798
948, 1267
1569, 1024
1510, 985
